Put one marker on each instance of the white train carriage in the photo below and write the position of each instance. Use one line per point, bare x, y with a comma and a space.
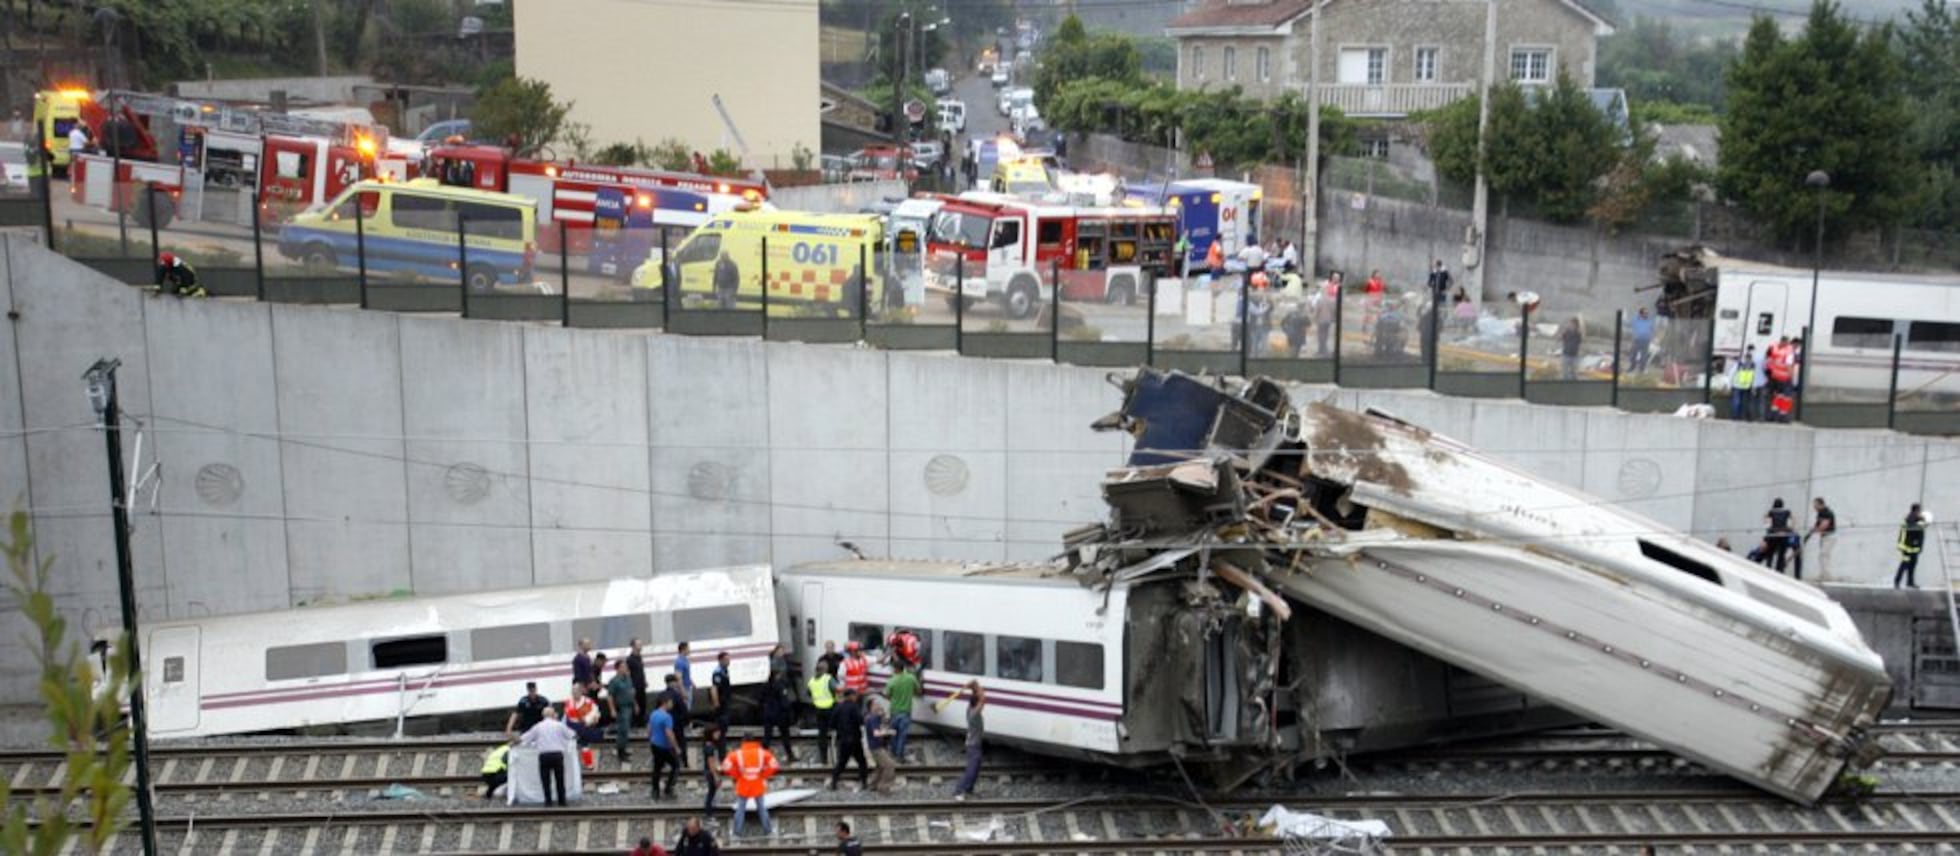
1144, 669
1603, 612
446, 654
1048, 650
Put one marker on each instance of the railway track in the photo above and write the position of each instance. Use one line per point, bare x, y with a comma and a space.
1687, 820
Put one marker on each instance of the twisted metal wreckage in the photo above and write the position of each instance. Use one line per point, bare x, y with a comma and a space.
1281, 529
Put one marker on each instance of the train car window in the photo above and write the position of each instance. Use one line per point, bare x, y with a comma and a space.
712, 622
1933, 336
615, 631
966, 653
411, 651
1849, 332
870, 637
1679, 562
305, 661
1017, 658
510, 642
925, 645
1079, 664
173, 670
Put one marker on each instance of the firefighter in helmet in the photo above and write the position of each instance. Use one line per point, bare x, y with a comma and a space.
176, 276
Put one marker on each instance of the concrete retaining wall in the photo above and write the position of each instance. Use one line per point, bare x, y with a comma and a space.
313, 454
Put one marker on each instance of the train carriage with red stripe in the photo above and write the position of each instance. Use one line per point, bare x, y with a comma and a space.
442, 654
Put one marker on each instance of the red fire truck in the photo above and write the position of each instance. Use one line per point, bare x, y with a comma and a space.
596, 203
989, 246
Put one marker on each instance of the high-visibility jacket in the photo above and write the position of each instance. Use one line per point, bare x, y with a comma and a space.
750, 767
1912, 536
905, 646
1779, 362
857, 673
497, 760
820, 696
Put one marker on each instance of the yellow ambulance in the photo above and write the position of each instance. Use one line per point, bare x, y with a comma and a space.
814, 262
56, 112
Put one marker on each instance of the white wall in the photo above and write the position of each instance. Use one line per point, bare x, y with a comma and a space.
316, 454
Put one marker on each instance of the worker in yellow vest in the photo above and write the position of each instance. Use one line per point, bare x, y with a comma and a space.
496, 769
823, 697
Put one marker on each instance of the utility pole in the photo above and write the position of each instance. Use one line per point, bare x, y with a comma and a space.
1310, 189
1474, 245
101, 379
903, 20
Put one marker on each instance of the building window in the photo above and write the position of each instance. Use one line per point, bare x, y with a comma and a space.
1231, 63
1426, 64
1364, 65
1265, 65
1531, 65
1375, 148
1197, 62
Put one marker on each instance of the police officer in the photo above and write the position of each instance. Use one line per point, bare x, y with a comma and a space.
823, 697
176, 276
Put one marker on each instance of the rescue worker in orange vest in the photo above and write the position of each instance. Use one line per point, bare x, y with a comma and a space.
857, 669
902, 647
750, 767
1779, 362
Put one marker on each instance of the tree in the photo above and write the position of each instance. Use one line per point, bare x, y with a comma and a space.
84, 716
1829, 99
1578, 145
1073, 54
1654, 62
521, 110
1551, 150
1929, 45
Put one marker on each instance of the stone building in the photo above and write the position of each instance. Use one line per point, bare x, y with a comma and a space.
1382, 58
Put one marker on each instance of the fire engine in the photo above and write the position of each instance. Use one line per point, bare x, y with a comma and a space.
611, 214
988, 246
282, 162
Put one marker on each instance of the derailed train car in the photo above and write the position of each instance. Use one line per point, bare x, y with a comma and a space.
1544, 589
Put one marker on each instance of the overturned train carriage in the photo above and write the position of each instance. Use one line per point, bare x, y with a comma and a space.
1548, 591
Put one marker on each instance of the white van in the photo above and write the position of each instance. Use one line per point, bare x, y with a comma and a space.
939, 81
952, 115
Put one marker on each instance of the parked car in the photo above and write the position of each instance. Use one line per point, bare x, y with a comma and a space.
13, 168
927, 154
1000, 75
939, 81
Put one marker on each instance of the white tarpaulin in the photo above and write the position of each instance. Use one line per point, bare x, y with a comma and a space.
1300, 824
524, 787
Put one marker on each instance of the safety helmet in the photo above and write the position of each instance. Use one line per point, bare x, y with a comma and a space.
1259, 280
851, 646
168, 260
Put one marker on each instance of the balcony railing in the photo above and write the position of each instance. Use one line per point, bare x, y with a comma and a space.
1391, 99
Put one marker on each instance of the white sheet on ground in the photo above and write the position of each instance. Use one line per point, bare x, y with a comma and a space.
524, 787
1300, 824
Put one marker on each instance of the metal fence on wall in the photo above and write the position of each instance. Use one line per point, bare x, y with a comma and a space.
1116, 317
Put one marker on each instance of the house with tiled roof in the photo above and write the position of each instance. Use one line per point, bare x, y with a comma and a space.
1382, 58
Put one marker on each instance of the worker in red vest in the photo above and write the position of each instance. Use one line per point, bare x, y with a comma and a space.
903, 647
750, 767
857, 669
1780, 363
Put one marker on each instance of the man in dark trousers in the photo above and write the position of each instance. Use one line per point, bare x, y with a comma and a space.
661, 737
849, 720
636, 664
778, 710
1776, 535
1912, 540
553, 740
721, 695
677, 707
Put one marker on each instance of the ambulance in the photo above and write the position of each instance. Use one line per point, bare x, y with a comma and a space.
56, 112
1208, 209
813, 262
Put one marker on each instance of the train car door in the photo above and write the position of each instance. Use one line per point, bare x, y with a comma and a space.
812, 618
170, 679
1766, 318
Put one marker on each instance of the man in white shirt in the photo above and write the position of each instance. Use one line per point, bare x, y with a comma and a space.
552, 739
1254, 256
77, 139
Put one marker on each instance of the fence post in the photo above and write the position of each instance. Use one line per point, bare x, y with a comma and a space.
258, 250
666, 284
565, 275
1619, 317
1055, 310
463, 260
864, 293
1435, 336
1524, 349
763, 284
1892, 394
1150, 320
1803, 374
46, 185
360, 249
1708, 366
1340, 311
959, 303
1245, 320
150, 202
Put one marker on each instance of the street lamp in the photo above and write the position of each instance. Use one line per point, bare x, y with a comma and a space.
1821, 181
101, 388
